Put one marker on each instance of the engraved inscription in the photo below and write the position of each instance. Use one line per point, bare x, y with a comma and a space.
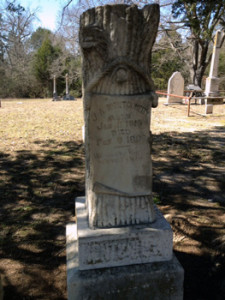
119, 138
118, 93
119, 250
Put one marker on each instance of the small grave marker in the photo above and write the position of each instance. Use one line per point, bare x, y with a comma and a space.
175, 87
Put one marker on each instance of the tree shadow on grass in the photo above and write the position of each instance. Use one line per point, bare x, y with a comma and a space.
37, 192
190, 164
189, 185
203, 280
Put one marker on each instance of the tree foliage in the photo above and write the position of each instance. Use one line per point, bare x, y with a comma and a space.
165, 61
38, 37
29, 59
15, 30
44, 57
202, 18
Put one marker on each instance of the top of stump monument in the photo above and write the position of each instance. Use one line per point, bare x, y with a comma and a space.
117, 39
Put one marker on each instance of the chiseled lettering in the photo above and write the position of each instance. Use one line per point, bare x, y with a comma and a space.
113, 250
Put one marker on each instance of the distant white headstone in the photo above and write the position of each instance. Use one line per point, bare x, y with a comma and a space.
175, 87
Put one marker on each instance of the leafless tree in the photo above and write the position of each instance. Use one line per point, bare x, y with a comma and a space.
15, 30
195, 49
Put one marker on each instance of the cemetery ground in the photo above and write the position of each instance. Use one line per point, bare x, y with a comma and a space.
42, 171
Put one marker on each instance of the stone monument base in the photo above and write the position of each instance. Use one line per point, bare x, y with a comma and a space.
155, 281
130, 262
56, 97
68, 97
208, 109
120, 246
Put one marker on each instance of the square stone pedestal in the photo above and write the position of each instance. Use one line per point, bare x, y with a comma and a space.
212, 86
113, 273
155, 281
120, 246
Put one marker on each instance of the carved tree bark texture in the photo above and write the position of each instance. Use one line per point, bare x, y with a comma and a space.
118, 94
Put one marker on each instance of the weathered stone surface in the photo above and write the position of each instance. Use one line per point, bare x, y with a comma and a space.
155, 281
55, 96
111, 247
212, 82
212, 86
175, 87
118, 94
208, 109
1, 289
83, 134
54, 87
121, 247
68, 96
120, 160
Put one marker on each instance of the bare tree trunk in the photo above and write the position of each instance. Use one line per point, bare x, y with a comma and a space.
199, 62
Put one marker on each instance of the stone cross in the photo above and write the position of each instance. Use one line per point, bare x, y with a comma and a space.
175, 87
212, 82
116, 43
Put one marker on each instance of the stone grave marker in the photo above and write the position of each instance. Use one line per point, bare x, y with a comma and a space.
68, 96
212, 82
117, 223
175, 87
55, 96
209, 109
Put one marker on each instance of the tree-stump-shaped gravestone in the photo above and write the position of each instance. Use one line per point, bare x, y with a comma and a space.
116, 42
117, 224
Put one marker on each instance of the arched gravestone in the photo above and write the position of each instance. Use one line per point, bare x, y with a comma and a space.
116, 43
175, 87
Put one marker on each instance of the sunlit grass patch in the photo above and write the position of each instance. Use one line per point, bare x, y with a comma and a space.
42, 171
41, 166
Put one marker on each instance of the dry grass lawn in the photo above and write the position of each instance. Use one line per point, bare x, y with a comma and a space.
42, 171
